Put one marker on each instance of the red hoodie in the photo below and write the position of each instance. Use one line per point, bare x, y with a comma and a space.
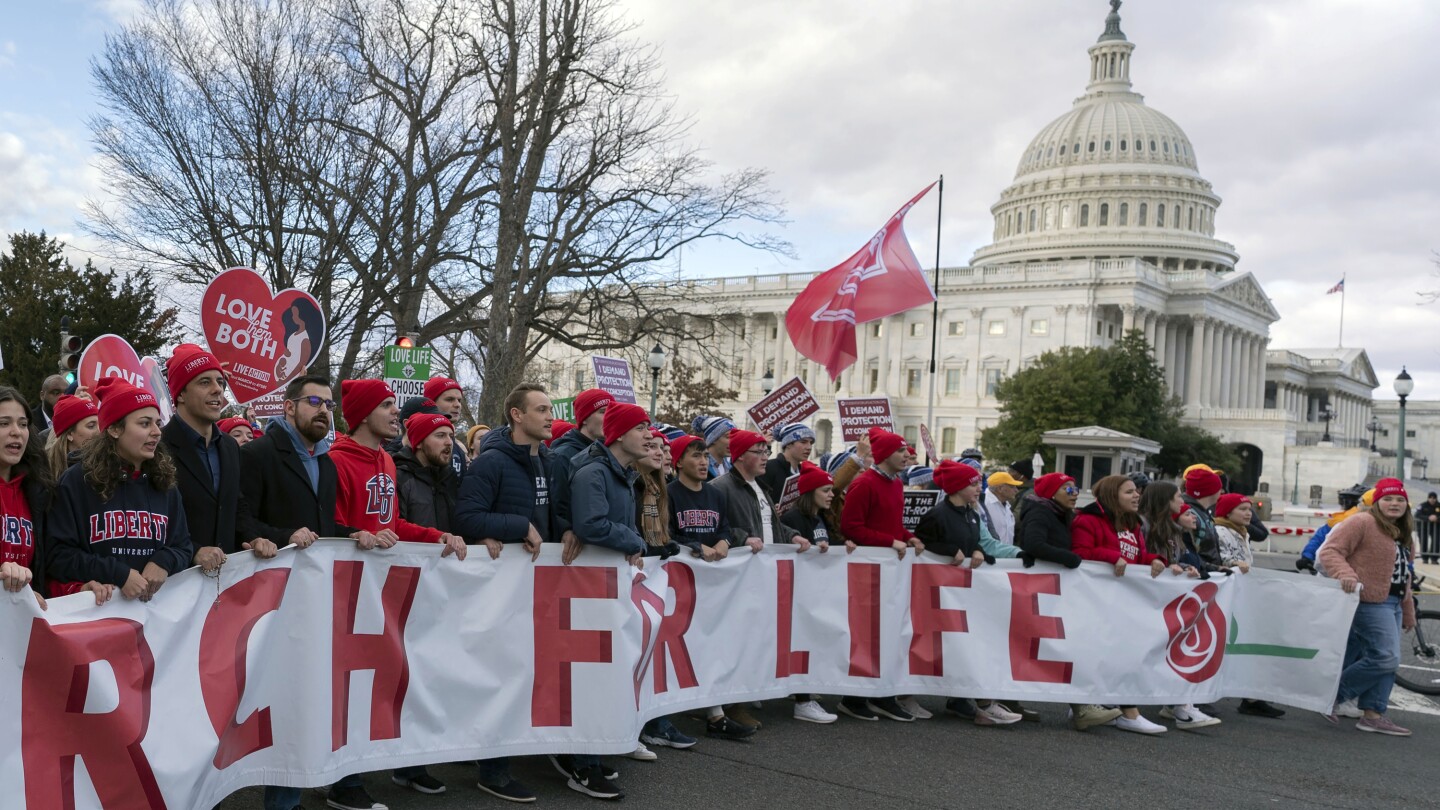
1093, 537
17, 544
365, 492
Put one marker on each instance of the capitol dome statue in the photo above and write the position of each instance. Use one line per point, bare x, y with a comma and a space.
1111, 178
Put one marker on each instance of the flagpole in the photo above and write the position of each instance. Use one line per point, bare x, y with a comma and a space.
1342, 312
935, 316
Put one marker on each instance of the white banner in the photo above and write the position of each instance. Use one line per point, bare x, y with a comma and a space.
331, 661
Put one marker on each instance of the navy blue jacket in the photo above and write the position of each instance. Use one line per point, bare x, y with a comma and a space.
602, 501
104, 541
568, 447
497, 495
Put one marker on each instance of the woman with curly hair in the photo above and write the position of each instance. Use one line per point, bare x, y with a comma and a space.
117, 519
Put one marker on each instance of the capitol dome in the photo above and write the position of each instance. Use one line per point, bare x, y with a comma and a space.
1111, 178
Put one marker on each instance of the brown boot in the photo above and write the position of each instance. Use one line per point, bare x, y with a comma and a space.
741, 714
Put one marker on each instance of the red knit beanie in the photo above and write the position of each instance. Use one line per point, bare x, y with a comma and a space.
1050, 483
227, 425
70, 411
1184, 507
360, 398
813, 478
558, 428
188, 362
952, 476
620, 417
119, 399
421, 425
589, 401
1389, 486
1201, 483
436, 386
884, 444
1228, 502
680, 445
741, 441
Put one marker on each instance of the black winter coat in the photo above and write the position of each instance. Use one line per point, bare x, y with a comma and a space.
568, 447
216, 518
1044, 533
497, 496
949, 530
427, 495
275, 482
772, 481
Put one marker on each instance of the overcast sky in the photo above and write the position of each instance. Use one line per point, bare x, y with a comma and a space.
1316, 121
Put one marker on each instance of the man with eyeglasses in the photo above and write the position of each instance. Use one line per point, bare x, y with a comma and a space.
753, 517
207, 460
288, 475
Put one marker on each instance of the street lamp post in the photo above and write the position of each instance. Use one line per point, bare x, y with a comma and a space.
657, 362
767, 383
1374, 426
1404, 384
1327, 413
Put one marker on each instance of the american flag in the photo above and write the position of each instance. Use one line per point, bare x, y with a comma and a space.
1340, 287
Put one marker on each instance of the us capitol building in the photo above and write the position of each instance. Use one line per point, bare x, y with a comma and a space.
1108, 226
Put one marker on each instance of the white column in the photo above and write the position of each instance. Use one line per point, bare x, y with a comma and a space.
1199, 342
885, 344
1127, 319
1159, 345
1247, 360
1150, 323
780, 342
1227, 369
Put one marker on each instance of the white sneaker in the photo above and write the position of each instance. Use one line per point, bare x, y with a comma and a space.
911, 705
1190, 718
812, 712
995, 715
1139, 725
1348, 709
642, 753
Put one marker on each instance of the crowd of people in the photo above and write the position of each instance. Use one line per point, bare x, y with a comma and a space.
99, 496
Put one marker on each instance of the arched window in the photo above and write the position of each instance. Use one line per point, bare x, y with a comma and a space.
1139, 145
1065, 215
1177, 216
1092, 147
1104, 214
1144, 210
1107, 144
1123, 144
1160, 215
1166, 144
1009, 223
1032, 220
1190, 215
1152, 144
1076, 150
1048, 221
1124, 214
1019, 223
1084, 216
1062, 150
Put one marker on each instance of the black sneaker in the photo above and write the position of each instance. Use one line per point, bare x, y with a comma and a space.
592, 782
1260, 708
511, 791
891, 708
1028, 715
961, 707
1208, 708
856, 708
352, 798
424, 783
724, 728
565, 764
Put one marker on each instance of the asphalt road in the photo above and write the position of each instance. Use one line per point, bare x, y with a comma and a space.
1297, 761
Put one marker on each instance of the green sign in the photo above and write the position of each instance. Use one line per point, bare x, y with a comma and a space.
407, 371
563, 408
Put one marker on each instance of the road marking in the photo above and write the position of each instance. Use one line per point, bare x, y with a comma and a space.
1406, 701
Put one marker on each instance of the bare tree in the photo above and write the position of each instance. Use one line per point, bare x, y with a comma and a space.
499, 173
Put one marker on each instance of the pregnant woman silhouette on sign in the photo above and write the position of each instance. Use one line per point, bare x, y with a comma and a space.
299, 343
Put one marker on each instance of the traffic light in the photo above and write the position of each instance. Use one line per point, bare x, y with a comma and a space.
405, 342
70, 347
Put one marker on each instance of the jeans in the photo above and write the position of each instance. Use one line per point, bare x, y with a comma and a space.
494, 772
1374, 652
288, 798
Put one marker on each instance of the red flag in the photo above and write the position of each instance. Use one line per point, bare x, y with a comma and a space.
881, 279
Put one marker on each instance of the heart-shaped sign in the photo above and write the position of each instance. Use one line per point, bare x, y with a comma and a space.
263, 339
113, 356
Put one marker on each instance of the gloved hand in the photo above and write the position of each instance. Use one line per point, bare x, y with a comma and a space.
669, 550
1305, 564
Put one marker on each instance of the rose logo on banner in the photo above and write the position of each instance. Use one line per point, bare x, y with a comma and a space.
263, 339
113, 356
1197, 634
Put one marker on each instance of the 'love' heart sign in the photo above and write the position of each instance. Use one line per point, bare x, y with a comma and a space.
262, 339
113, 356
